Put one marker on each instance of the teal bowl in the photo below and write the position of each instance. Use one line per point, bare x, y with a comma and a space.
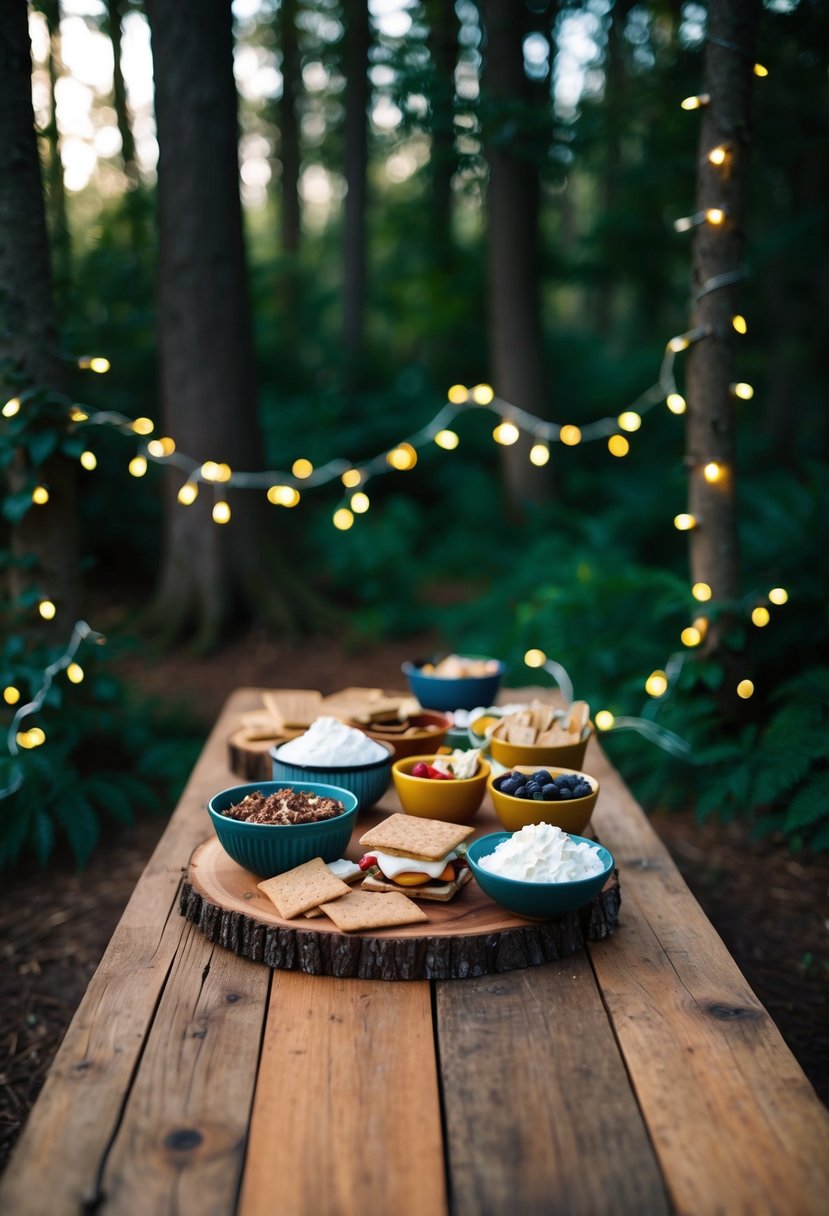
368, 782
445, 693
269, 848
537, 900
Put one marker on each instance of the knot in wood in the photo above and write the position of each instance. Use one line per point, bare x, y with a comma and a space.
729, 1013
183, 1139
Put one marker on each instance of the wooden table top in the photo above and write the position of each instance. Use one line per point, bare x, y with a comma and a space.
639, 1076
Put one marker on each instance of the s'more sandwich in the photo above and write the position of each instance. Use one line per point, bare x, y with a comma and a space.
423, 857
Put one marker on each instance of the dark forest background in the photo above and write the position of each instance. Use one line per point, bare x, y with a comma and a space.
433, 194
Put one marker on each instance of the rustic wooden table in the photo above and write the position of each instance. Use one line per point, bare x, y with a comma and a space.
640, 1075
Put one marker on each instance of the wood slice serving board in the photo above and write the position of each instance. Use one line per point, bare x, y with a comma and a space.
468, 936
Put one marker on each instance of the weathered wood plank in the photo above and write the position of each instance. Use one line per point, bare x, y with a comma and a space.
735, 1123
181, 1141
540, 1116
346, 1118
54, 1169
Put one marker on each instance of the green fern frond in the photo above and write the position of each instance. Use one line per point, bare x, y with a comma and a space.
810, 804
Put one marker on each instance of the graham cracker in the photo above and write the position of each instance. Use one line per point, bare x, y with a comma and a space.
360, 910
350, 879
578, 716
293, 706
409, 836
306, 886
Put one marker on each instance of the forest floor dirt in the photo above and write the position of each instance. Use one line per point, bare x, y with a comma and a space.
769, 906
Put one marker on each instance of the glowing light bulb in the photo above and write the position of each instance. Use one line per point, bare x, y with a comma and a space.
759, 70
570, 435
535, 658
40, 496
221, 512
138, 466
99, 365
677, 344
31, 738
629, 420
701, 592
76, 414
656, 684
11, 407
778, 595
283, 496
482, 394
143, 426
448, 440
760, 616
402, 457
742, 390
210, 470
360, 502
715, 215
617, 445
676, 403
343, 519
224, 472
684, 522
700, 623
47, 610
717, 155
539, 454
690, 636
740, 323
188, 493
604, 719
506, 433
159, 448
745, 689
713, 472
351, 478
302, 468
89, 460
11, 695
458, 394
74, 673
696, 102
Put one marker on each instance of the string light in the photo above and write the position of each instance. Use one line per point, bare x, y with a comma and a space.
159, 448
47, 610
539, 454
448, 440
676, 403
745, 689
33, 737
570, 435
40, 496
76, 414
604, 720
457, 394
188, 493
685, 522
778, 595
629, 420
717, 156
506, 433
283, 496
690, 636
89, 460
739, 323
701, 592
11, 407
483, 394
138, 466
742, 390
302, 468
711, 215
617, 445
360, 503
343, 519
535, 658
221, 512
695, 102
402, 457
11, 695
74, 673
712, 472
351, 478
760, 616
759, 70
143, 426
656, 684
94, 363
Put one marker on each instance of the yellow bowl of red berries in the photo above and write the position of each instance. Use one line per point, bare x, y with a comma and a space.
428, 786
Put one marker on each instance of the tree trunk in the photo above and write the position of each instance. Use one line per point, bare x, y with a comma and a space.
58, 221
443, 49
205, 340
29, 344
514, 310
718, 251
613, 110
119, 94
289, 282
356, 42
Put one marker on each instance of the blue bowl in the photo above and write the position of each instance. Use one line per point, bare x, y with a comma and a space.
439, 692
536, 900
269, 848
368, 782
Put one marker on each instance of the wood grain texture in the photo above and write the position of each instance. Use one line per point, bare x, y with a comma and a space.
540, 1116
181, 1141
346, 1119
469, 935
735, 1123
56, 1164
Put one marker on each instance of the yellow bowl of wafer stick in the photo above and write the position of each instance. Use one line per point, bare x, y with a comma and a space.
542, 734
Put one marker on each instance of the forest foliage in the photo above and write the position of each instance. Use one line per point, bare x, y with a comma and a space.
597, 575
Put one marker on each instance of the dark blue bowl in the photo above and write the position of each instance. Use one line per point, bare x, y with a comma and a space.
466, 692
268, 848
536, 900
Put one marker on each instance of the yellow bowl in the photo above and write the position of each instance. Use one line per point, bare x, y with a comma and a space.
454, 801
512, 755
571, 816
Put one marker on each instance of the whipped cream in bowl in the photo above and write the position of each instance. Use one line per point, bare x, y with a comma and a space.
541, 871
337, 754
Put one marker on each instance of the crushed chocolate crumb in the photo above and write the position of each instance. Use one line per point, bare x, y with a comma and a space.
284, 807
